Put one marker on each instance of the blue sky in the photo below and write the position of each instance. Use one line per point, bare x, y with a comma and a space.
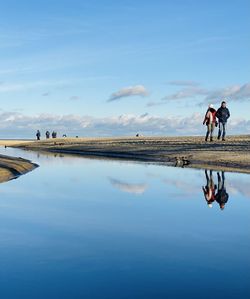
130, 65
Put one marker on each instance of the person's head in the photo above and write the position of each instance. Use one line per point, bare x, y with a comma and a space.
223, 104
210, 107
222, 206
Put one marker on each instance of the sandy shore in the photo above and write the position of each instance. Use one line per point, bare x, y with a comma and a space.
232, 155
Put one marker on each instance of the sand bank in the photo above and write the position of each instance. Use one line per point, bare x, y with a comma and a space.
11, 167
232, 155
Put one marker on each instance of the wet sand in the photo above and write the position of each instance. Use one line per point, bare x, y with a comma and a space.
231, 155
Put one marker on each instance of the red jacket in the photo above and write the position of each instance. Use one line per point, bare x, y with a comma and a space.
210, 116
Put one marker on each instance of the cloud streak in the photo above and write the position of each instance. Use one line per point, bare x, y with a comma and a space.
137, 90
183, 83
216, 95
189, 92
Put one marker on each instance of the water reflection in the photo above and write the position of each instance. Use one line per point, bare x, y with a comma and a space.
215, 192
73, 229
128, 187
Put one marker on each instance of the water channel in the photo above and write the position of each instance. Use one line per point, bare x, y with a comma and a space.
77, 227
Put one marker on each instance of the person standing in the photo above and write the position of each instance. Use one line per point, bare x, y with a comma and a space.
223, 115
38, 135
47, 134
210, 121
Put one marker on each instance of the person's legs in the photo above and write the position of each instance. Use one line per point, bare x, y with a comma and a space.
220, 129
207, 177
209, 126
223, 179
219, 181
223, 131
211, 131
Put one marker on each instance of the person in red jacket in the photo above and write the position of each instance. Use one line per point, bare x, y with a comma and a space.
210, 121
210, 189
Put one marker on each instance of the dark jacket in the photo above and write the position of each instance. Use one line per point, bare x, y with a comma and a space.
222, 196
223, 114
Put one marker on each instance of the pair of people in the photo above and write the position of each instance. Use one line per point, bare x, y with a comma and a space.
211, 121
213, 192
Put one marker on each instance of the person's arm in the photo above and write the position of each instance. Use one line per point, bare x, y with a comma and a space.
204, 121
205, 118
228, 113
218, 113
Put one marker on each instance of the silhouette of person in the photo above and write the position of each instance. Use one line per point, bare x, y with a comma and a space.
209, 189
38, 135
221, 196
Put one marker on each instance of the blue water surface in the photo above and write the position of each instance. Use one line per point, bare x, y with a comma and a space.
94, 228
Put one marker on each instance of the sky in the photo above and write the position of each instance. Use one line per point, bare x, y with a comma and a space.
106, 68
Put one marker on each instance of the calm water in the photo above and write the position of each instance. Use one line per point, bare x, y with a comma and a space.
86, 228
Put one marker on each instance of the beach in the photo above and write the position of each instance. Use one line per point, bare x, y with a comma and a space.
194, 152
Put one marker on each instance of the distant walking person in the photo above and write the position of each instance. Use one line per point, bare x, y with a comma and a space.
38, 135
223, 115
47, 134
210, 121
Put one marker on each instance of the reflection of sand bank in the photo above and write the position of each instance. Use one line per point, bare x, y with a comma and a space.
232, 155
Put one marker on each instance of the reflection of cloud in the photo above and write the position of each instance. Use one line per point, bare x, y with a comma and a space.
74, 98
239, 187
127, 187
138, 90
188, 187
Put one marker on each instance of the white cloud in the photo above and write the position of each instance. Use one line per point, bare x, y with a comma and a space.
128, 187
17, 124
138, 90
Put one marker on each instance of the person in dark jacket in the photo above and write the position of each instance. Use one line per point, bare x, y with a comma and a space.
223, 115
38, 135
222, 196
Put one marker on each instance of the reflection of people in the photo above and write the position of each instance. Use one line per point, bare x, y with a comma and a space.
222, 196
209, 189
